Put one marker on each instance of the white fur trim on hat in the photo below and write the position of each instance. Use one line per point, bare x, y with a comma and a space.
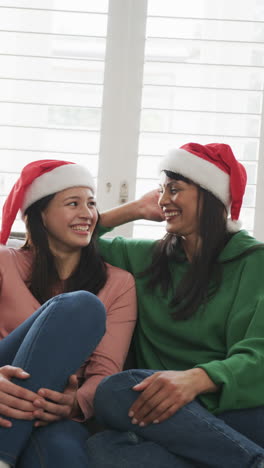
60, 178
200, 171
233, 225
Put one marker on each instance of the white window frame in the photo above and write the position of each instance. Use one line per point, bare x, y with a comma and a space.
122, 93
121, 112
259, 206
123, 77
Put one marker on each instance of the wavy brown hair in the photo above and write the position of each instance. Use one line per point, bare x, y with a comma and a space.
90, 274
203, 277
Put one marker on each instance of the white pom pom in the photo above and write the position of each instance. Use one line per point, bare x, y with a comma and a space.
233, 226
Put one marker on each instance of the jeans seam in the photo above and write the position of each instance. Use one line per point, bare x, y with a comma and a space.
212, 425
139, 379
39, 451
8, 454
209, 424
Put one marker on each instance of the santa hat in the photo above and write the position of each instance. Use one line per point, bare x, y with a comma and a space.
37, 180
215, 168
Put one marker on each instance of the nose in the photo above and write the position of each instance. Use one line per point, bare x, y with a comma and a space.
86, 212
163, 199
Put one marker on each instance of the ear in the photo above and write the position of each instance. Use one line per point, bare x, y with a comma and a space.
43, 217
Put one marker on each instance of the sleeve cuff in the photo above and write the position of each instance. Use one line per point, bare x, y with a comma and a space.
221, 375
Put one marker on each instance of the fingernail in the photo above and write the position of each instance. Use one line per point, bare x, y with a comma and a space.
24, 373
141, 424
134, 421
131, 414
156, 421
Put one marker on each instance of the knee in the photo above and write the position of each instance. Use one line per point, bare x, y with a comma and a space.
119, 388
88, 303
84, 307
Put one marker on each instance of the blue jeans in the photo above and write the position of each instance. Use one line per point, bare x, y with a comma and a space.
61, 444
192, 434
115, 449
50, 345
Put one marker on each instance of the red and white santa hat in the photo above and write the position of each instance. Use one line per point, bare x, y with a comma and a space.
37, 180
215, 168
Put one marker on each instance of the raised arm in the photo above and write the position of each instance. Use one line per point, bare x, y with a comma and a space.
145, 207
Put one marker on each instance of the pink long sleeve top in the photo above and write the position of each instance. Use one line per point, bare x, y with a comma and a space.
118, 295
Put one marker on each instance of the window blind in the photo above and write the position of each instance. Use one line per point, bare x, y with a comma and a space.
51, 84
203, 82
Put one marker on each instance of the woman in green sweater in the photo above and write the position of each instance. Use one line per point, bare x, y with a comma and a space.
201, 320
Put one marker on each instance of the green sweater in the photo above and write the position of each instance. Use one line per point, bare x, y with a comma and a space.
225, 337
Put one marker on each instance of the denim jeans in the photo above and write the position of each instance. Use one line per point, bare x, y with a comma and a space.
50, 345
192, 433
115, 449
61, 445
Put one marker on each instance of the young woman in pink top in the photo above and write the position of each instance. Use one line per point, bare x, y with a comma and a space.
61, 309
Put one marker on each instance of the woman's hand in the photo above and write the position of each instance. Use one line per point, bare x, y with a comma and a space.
145, 207
15, 401
53, 406
149, 207
164, 393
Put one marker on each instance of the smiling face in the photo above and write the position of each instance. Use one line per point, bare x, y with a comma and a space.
70, 219
179, 202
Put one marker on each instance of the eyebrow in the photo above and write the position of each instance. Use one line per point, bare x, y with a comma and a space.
172, 182
76, 197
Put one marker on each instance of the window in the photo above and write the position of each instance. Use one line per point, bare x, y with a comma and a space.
51, 84
114, 84
203, 82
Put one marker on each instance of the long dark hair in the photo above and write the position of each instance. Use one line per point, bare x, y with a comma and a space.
90, 274
193, 289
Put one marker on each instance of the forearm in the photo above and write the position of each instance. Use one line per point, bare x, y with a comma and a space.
146, 207
121, 214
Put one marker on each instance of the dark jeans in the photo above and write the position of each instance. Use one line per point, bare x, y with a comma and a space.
51, 345
192, 436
